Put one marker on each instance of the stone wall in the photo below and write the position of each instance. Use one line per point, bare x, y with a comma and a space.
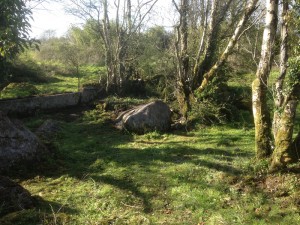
20, 106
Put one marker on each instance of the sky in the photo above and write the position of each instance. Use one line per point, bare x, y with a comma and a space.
51, 15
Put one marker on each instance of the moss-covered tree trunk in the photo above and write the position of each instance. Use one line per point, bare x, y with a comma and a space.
261, 118
284, 135
287, 92
259, 86
287, 150
285, 109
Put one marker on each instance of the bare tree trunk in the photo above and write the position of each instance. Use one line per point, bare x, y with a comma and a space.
201, 66
78, 77
229, 48
109, 58
204, 25
279, 98
181, 45
122, 54
259, 86
122, 44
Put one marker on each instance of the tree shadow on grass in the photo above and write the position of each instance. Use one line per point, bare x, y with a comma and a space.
51, 79
85, 163
180, 154
49, 213
54, 208
126, 185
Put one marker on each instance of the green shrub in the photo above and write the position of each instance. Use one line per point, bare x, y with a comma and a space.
241, 97
207, 112
221, 103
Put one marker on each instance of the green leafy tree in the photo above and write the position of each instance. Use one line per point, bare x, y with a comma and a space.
14, 33
14, 28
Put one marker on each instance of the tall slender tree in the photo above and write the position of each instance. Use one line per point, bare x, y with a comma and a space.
259, 86
207, 51
181, 45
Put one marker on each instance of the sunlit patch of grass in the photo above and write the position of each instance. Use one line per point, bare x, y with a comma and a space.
64, 84
56, 83
69, 83
16, 90
244, 79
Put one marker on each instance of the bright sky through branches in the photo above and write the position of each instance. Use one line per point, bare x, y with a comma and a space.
50, 15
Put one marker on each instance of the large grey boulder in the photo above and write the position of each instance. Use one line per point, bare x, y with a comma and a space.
154, 116
13, 197
18, 145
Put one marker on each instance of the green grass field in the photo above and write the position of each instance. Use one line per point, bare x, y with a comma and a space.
99, 175
53, 83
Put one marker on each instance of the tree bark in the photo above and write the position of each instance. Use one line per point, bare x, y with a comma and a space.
279, 97
202, 66
294, 150
284, 136
259, 86
181, 45
204, 26
109, 57
286, 150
